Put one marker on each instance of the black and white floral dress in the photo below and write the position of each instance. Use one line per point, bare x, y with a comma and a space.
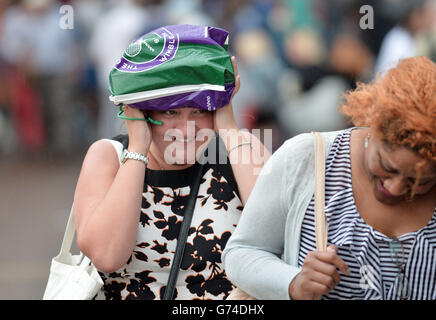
216, 215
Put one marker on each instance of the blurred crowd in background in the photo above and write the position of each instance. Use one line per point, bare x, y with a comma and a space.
296, 58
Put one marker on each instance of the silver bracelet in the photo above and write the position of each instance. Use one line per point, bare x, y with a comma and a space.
134, 156
241, 144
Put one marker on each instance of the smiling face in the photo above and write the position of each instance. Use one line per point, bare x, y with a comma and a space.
393, 172
183, 133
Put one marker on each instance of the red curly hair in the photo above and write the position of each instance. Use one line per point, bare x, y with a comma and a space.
400, 107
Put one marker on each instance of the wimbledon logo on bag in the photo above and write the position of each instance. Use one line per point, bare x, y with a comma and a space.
149, 51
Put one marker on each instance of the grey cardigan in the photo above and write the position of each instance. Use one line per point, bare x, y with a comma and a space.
261, 256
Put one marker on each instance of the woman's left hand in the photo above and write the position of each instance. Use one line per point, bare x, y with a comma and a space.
224, 117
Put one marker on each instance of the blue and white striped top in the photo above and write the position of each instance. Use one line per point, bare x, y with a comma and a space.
365, 250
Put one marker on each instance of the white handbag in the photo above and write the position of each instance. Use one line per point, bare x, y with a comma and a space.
74, 277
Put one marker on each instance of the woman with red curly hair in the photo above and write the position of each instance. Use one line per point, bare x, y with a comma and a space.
380, 202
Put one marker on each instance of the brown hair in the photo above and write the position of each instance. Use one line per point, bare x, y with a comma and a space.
400, 107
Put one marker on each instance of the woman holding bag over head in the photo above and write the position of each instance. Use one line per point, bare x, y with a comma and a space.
129, 215
380, 203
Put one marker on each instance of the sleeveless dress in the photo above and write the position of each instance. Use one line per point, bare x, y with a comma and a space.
215, 217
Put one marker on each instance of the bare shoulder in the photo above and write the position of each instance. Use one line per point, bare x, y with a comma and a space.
101, 158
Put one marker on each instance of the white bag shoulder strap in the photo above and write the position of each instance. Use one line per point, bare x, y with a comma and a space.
70, 230
320, 219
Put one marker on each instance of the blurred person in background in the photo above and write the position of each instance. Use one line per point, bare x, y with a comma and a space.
413, 18
299, 58
186, 12
224, 11
260, 64
86, 15
316, 107
380, 202
325, 55
5, 130
42, 59
426, 41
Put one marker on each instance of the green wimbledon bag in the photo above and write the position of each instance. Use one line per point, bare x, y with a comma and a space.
175, 66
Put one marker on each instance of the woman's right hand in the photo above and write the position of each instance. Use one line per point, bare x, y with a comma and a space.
139, 131
318, 276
